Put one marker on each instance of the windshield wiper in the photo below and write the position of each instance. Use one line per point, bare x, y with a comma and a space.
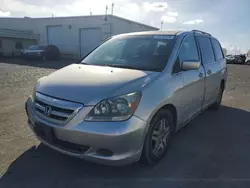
120, 66
136, 68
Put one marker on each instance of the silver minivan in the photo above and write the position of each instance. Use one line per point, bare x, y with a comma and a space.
124, 100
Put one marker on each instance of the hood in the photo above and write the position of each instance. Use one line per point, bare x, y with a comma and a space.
89, 84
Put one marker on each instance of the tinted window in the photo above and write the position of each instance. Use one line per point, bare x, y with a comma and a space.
135, 52
19, 45
0, 43
188, 51
206, 50
217, 49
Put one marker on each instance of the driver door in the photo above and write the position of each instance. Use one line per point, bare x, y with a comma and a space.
193, 81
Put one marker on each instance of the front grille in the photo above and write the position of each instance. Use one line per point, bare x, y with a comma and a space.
55, 111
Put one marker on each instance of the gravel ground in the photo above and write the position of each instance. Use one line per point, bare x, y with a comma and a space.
212, 151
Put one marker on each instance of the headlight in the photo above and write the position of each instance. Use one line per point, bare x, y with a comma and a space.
115, 109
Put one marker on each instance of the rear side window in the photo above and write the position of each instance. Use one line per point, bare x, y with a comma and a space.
206, 50
217, 50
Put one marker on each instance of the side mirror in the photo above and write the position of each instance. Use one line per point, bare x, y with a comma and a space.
190, 65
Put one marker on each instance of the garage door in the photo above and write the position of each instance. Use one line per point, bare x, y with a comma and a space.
89, 39
55, 36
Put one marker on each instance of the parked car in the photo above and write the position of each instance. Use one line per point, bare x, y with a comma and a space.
42, 52
125, 99
230, 59
247, 60
239, 59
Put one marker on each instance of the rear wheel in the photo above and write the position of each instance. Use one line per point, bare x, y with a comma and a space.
158, 136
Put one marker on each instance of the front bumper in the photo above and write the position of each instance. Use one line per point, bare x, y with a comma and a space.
111, 143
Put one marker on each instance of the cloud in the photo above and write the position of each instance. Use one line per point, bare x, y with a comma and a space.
192, 22
157, 6
5, 14
173, 14
169, 19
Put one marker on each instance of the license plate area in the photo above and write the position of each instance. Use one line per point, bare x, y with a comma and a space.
44, 132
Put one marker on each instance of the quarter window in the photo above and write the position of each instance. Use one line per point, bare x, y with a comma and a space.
217, 50
188, 51
206, 50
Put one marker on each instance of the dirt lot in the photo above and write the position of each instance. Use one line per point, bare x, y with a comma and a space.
212, 151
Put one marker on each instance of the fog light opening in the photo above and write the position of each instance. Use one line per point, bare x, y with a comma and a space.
104, 152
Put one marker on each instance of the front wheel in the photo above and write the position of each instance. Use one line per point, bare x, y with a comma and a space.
157, 139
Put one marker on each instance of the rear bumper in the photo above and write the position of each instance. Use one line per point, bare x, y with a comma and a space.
111, 143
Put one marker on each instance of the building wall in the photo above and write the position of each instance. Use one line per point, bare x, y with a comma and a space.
123, 26
8, 45
70, 29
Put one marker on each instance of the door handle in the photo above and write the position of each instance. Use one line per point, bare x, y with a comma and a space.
209, 72
200, 74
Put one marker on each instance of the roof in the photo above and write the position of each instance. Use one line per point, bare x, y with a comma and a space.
152, 33
21, 34
86, 16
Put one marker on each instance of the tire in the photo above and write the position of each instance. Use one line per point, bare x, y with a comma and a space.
217, 103
158, 136
248, 62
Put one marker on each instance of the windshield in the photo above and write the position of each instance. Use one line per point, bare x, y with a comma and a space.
36, 47
135, 52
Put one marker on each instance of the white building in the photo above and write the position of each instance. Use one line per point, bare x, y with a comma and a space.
75, 36
13, 41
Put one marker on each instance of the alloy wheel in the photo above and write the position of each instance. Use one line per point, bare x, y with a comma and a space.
160, 137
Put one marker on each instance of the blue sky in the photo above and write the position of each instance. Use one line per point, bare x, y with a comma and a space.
228, 20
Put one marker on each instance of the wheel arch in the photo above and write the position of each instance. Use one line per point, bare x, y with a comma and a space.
173, 110
222, 84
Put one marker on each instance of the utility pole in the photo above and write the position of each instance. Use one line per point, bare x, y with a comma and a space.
161, 24
106, 16
90, 12
112, 9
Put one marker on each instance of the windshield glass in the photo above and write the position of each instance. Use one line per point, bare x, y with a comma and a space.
135, 52
36, 47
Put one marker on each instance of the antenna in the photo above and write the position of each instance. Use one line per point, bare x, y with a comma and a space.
112, 9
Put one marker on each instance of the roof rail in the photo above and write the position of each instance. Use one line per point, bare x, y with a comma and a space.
198, 31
